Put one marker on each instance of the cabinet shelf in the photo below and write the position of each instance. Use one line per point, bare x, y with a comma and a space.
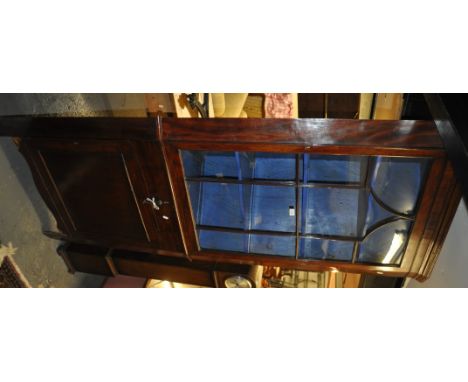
285, 183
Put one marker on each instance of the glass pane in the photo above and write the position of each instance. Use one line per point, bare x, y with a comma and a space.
273, 208
212, 164
385, 245
311, 248
245, 164
218, 204
397, 182
273, 245
275, 166
239, 165
226, 241
330, 211
375, 214
333, 168
194, 189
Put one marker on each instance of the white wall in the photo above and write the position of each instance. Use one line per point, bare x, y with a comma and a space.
451, 269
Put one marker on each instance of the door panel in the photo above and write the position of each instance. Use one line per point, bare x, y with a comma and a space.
97, 186
152, 162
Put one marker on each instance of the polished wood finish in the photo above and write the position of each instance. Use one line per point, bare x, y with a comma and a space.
434, 177
181, 197
95, 173
446, 220
163, 268
307, 133
154, 173
441, 212
96, 186
96, 189
292, 263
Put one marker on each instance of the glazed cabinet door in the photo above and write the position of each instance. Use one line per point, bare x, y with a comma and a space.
360, 197
355, 209
96, 189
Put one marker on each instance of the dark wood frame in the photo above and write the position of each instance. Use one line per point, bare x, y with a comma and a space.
322, 136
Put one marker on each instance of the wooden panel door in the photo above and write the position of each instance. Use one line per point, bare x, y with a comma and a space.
95, 188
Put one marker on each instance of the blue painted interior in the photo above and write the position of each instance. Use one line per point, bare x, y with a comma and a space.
274, 166
311, 248
270, 208
331, 211
273, 245
323, 210
397, 182
333, 168
227, 241
221, 205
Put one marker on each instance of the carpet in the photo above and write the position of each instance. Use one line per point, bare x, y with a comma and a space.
10, 275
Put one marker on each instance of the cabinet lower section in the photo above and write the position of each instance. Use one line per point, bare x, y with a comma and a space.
113, 262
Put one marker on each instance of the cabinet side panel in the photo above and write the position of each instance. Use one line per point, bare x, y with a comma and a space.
417, 238
46, 187
442, 212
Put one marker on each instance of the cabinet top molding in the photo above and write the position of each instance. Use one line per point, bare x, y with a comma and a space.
80, 127
405, 134
307, 132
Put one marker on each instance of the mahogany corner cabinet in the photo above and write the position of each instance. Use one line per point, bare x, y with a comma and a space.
361, 196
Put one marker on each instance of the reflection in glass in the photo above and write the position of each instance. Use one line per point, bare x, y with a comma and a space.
210, 164
360, 194
385, 245
375, 214
238, 165
273, 208
218, 204
331, 211
333, 168
223, 241
273, 245
311, 248
397, 182
194, 189
274, 166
